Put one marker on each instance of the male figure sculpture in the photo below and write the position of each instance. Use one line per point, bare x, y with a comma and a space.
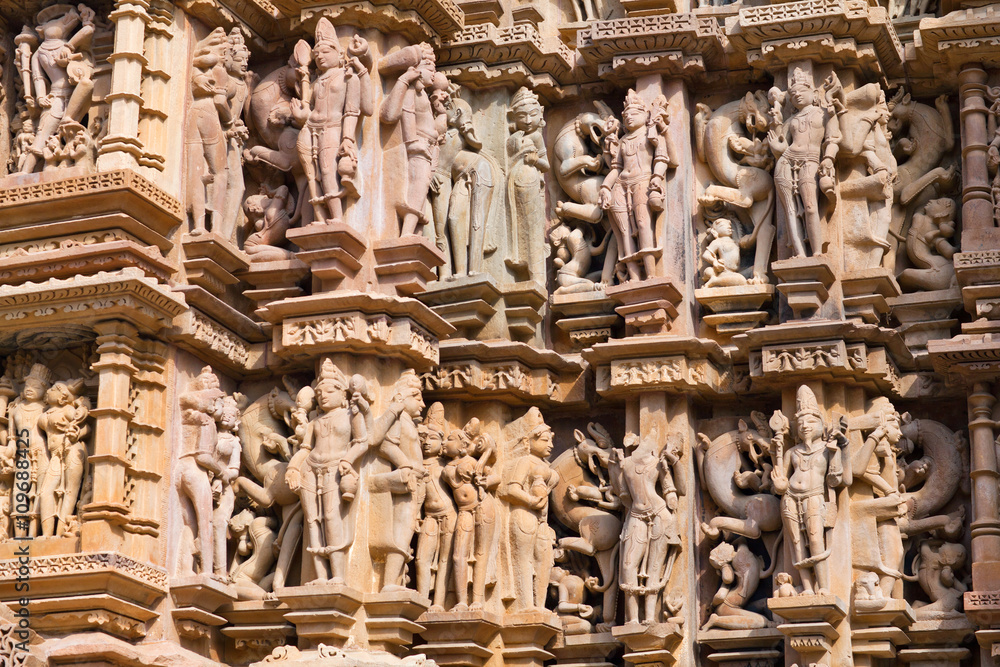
25, 430
527, 161
528, 483
422, 125
437, 527
804, 147
64, 424
323, 475
803, 475
60, 75
650, 540
633, 190
332, 107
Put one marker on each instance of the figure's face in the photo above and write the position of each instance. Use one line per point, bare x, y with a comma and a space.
326, 56
56, 395
893, 431
810, 427
330, 396
426, 69
33, 390
724, 227
441, 104
528, 118
802, 95
432, 444
413, 402
454, 446
230, 418
541, 444
634, 118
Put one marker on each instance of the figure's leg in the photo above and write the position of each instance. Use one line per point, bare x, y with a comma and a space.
289, 542
793, 533
462, 550
817, 542
76, 464
48, 483
446, 536
418, 166
305, 146
426, 554
439, 209
522, 536
644, 226
311, 517
201, 498
544, 560
620, 225
486, 528
633, 545
459, 223
809, 193
220, 522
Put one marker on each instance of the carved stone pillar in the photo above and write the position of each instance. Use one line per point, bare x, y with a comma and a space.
155, 86
121, 147
985, 523
977, 208
116, 342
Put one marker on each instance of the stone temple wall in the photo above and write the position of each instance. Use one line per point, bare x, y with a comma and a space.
471, 333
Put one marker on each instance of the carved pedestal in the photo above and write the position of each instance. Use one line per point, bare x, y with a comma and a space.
926, 316
526, 636
876, 633
740, 648
805, 282
651, 645
467, 302
321, 613
273, 281
865, 294
333, 252
255, 628
523, 303
811, 627
735, 309
937, 643
212, 262
588, 650
458, 638
391, 619
976, 272
648, 306
196, 599
407, 263
586, 317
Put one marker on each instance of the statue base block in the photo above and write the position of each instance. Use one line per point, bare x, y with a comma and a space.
212, 262
332, 656
586, 650
333, 252
273, 281
587, 317
865, 294
469, 649
196, 599
878, 631
391, 619
321, 613
466, 302
255, 628
937, 643
407, 264
926, 316
735, 309
648, 306
736, 648
523, 303
805, 282
651, 645
526, 634
811, 630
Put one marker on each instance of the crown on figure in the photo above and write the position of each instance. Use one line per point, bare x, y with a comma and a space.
800, 78
40, 373
806, 404
326, 34
329, 373
524, 98
633, 101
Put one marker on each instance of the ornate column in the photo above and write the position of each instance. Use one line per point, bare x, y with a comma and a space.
121, 147
985, 521
152, 129
977, 203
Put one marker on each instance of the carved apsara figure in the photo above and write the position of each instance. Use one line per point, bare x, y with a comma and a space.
806, 475
437, 525
461, 190
804, 146
633, 191
528, 479
938, 575
65, 426
527, 163
57, 77
227, 455
573, 612
330, 109
421, 122
650, 542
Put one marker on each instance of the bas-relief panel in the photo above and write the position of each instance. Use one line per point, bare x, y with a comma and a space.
682, 443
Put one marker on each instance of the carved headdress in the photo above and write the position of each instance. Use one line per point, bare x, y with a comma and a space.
806, 404
524, 98
433, 421
800, 78
40, 374
330, 374
632, 100
326, 34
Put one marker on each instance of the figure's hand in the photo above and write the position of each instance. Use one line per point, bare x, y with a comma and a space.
45, 102
672, 501
539, 502
358, 46
293, 478
531, 159
594, 163
409, 76
586, 611
605, 198
346, 469
86, 15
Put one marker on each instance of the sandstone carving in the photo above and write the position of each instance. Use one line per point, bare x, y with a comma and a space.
527, 162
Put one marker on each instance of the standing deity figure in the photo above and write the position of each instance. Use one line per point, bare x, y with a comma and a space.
460, 474
421, 122
527, 162
227, 460
201, 405
330, 110
237, 84
804, 146
60, 73
437, 526
322, 472
487, 513
650, 541
633, 191
64, 424
28, 440
527, 483
461, 190
805, 476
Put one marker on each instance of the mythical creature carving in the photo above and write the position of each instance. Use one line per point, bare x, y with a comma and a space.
731, 141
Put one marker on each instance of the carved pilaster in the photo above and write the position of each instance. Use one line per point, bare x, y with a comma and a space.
121, 147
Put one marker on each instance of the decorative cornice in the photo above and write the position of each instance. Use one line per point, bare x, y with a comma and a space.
965, 36
431, 20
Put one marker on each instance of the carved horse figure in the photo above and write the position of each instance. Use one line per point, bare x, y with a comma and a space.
726, 140
265, 454
599, 528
